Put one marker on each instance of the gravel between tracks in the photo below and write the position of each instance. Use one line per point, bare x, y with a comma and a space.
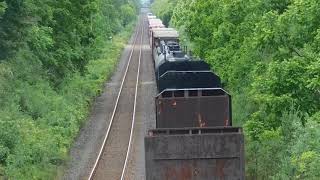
113, 157
145, 116
85, 148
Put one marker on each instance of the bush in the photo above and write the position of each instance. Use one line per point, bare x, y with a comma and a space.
267, 54
39, 118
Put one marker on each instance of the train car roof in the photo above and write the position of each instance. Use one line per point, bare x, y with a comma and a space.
154, 20
155, 23
152, 17
165, 34
163, 29
221, 90
160, 25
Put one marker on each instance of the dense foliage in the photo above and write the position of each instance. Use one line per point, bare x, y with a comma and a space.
54, 57
164, 10
268, 54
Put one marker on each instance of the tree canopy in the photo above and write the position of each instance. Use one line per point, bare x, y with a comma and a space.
54, 57
267, 52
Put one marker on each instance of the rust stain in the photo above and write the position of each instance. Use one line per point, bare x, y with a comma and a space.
171, 173
178, 173
219, 168
185, 173
160, 107
174, 103
226, 122
200, 121
196, 172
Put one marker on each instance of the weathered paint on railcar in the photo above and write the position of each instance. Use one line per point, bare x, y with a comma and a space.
195, 154
179, 108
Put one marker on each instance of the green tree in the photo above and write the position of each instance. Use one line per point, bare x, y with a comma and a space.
164, 9
3, 7
267, 54
54, 57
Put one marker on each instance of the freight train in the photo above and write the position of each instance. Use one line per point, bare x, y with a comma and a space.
194, 138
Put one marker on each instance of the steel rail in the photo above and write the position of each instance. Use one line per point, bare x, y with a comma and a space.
114, 110
134, 107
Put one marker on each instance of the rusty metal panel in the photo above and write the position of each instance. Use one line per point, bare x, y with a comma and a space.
199, 156
184, 110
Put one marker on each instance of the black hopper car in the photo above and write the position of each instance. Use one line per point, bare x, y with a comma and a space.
194, 138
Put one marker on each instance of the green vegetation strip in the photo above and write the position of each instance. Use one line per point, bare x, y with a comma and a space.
37, 148
55, 56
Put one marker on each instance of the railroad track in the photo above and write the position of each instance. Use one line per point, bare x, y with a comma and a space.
114, 153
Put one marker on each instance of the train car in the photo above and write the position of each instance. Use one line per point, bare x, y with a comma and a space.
184, 71
161, 54
156, 25
151, 17
158, 29
177, 73
188, 79
189, 64
153, 29
163, 29
160, 36
154, 21
193, 107
194, 139
195, 154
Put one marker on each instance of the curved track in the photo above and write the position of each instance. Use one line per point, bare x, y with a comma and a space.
114, 152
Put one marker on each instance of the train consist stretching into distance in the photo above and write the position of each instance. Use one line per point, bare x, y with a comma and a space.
194, 138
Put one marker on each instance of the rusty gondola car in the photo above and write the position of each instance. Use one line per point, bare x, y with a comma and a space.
195, 154
201, 107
